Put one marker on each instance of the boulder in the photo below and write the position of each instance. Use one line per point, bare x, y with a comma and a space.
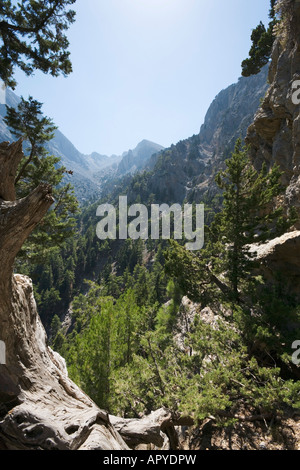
280, 259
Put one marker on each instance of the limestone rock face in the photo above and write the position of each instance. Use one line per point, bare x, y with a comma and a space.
281, 257
274, 135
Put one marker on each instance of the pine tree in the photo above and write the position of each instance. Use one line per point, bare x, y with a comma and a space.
27, 122
104, 339
262, 42
38, 166
32, 37
248, 216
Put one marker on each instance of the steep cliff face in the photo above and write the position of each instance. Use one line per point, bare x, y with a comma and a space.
274, 135
274, 138
187, 169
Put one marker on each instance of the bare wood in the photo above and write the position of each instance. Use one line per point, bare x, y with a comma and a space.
147, 430
151, 429
17, 221
10, 157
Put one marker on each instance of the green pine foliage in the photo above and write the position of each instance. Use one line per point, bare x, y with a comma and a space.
247, 215
133, 345
262, 42
32, 37
106, 335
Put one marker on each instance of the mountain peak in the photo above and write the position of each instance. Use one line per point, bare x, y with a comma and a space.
136, 159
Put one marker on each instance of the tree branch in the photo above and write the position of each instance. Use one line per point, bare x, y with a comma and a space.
147, 430
220, 284
4, 25
26, 163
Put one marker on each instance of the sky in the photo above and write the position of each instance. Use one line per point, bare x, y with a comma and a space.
145, 69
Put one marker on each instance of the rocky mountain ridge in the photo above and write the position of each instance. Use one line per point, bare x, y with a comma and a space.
137, 159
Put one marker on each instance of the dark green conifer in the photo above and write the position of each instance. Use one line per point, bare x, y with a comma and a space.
262, 42
32, 37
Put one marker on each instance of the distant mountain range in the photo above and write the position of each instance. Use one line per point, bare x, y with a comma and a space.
88, 170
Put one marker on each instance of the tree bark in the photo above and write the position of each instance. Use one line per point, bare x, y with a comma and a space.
10, 157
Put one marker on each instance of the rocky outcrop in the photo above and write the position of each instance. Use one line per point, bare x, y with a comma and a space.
274, 136
280, 259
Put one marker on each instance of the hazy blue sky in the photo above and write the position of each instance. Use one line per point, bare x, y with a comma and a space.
145, 69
